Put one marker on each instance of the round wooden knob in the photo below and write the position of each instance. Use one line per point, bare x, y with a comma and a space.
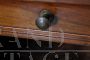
45, 19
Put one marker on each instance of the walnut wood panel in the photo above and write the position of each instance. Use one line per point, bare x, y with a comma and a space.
85, 2
79, 2
72, 19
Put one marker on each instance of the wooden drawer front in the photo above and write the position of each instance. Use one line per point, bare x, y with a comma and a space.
85, 2
73, 19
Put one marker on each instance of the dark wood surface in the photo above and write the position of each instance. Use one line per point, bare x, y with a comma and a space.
81, 2
73, 19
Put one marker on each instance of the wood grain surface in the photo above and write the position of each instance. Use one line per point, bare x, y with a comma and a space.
85, 2
81, 2
73, 20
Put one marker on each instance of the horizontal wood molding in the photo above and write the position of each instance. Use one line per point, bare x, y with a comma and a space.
44, 35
